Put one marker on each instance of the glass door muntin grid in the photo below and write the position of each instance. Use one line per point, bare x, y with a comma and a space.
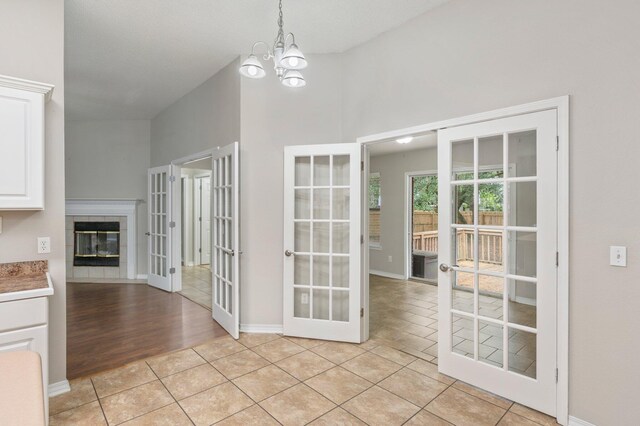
221, 186
507, 178
158, 233
321, 209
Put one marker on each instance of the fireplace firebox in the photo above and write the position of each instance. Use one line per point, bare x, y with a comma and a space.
96, 244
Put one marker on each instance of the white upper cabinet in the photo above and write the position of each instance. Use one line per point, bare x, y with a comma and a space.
22, 109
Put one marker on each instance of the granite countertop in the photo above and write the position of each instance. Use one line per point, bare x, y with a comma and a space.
23, 276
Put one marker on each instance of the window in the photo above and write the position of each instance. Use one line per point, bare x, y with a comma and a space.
375, 203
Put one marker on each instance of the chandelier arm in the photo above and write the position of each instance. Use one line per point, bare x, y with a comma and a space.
293, 39
267, 55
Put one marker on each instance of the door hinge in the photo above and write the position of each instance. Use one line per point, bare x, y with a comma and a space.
557, 143
200, 219
172, 270
362, 166
199, 250
172, 178
172, 224
361, 239
556, 375
361, 312
557, 258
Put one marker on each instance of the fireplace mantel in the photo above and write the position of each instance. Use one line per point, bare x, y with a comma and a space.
111, 207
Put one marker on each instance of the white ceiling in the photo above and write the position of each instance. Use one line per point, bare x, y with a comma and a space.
130, 59
428, 140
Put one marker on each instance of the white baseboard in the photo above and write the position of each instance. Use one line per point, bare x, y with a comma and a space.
574, 421
58, 388
387, 274
142, 277
261, 328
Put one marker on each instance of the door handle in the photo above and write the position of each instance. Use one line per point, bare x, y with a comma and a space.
446, 268
147, 234
288, 253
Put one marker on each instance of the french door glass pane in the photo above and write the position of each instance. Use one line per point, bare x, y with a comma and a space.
463, 204
301, 302
522, 253
321, 171
522, 153
490, 157
522, 302
341, 203
301, 270
490, 349
302, 237
321, 271
462, 157
321, 203
302, 208
522, 352
490, 290
462, 291
340, 271
303, 171
463, 247
321, 237
462, 338
341, 170
321, 304
524, 212
340, 305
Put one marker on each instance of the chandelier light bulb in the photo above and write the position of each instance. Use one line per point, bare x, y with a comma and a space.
252, 70
293, 79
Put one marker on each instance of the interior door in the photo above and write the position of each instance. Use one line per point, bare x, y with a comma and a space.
205, 220
322, 241
497, 244
225, 268
159, 234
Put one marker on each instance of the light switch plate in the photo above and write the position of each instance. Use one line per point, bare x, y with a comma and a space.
618, 256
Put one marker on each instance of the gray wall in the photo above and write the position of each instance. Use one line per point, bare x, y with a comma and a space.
392, 169
206, 117
473, 56
109, 159
32, 48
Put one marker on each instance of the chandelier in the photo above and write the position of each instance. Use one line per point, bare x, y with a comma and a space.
287, 60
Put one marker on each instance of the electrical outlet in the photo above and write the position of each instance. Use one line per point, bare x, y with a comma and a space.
390, 259
44, 245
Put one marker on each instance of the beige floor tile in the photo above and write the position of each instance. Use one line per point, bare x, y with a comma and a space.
82, 392
239, 364
86, 415
215, 404
175, 362
219, 348
265, 382
337, 352
377, 406
305, 365
254, 339
372, 367
463, 409
278, 349
254, 415
534, 415
424, 418
338, 417
338, 384
135, 402
487, 396
415, 388
192, 381
393, 355
171, 415
123, 378
306, 343
297, 405
430, 370
512, 419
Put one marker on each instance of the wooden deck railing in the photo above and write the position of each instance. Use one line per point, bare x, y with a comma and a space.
489, 244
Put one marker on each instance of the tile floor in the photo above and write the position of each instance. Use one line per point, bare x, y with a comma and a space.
404, 316
196, 284
266, 379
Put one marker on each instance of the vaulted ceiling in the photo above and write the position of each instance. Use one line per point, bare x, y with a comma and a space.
130, 59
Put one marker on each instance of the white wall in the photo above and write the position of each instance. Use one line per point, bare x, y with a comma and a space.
472, 56
392, 169
206, 117
109, 159
32, 47
274, 116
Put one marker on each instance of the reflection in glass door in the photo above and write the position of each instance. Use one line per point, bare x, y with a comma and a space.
423, 208
497, 233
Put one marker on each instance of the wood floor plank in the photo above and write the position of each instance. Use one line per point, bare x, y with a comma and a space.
109, 325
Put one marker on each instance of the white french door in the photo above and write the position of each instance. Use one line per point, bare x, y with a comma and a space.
497, 237
203, 223
322, 241
225, 267
159, 234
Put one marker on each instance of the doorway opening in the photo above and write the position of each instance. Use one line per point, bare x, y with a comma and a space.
195, 179
422, 197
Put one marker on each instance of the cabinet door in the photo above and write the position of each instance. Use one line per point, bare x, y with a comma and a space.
21, 150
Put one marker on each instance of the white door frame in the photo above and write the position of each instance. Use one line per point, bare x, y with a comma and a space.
408, 219
561, 105
197, 214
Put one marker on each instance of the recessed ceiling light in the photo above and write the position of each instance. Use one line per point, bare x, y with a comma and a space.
405, 140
